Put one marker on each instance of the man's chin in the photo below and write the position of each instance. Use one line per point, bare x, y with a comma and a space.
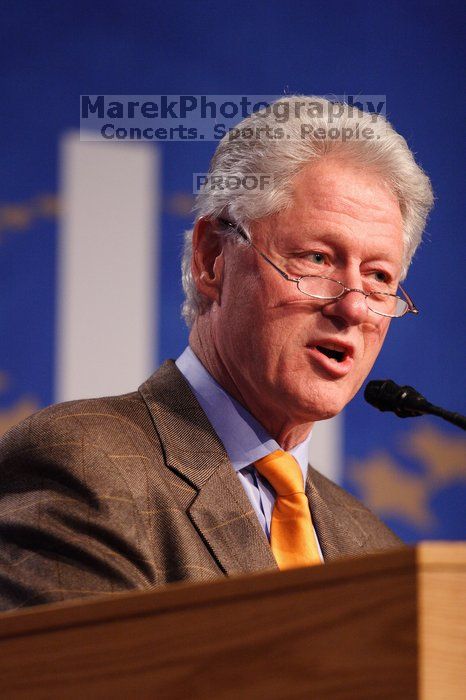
312, 411
322, 406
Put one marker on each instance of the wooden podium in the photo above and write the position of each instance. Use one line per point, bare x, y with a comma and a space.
385, 626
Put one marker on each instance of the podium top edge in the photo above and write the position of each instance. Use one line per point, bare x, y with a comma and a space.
143, 603
442, 553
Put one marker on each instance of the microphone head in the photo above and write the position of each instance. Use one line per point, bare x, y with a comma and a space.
382, 394
385, 395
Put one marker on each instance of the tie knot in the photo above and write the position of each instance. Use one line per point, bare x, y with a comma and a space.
282, 471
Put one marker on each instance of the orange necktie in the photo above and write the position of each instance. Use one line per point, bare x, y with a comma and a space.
292, 535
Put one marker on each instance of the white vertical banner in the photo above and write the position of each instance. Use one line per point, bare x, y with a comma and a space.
107, 267
326, 447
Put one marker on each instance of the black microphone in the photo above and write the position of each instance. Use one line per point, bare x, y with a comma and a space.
406, 402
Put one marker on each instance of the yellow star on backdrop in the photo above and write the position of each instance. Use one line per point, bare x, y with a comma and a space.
19, 411
16, 413
443, 454
390, 490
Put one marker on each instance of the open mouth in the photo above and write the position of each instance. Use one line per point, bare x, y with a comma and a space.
338, 355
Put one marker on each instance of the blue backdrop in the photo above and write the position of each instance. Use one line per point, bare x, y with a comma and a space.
411, 472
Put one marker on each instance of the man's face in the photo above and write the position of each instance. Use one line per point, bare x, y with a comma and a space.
345, 224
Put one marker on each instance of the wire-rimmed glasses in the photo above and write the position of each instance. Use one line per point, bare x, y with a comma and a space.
325, 288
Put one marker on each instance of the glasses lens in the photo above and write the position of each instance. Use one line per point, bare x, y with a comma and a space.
320, 287
387, 304
323, 288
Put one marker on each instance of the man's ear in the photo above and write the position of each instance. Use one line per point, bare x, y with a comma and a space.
207, 258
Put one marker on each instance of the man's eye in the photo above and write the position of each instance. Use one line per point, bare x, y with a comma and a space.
317, 258
382, 281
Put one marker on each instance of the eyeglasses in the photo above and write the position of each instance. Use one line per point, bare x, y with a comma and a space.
327, 289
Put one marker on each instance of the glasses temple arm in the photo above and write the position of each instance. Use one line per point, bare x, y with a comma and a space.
242, 233
412, 305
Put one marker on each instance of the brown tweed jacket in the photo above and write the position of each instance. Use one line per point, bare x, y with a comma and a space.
136, 491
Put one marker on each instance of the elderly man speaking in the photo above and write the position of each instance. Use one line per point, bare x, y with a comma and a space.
203, 471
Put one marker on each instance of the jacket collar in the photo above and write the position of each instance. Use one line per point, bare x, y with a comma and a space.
220, 511
333, 513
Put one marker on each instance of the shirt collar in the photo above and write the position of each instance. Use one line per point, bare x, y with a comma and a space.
244, 438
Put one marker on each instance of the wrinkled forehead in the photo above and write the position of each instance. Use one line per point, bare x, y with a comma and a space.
332, 198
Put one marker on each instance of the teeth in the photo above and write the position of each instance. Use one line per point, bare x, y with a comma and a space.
333, 346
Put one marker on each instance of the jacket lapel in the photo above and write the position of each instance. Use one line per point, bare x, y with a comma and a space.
221, 511
339, 532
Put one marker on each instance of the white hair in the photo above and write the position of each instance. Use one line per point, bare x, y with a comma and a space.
332, 128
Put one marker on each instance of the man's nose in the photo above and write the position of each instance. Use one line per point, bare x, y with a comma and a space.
351, 307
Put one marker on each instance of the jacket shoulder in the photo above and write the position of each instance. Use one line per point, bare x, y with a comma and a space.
75, 482
101, 421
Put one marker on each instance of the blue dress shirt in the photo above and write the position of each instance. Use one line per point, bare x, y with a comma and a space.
243, 438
